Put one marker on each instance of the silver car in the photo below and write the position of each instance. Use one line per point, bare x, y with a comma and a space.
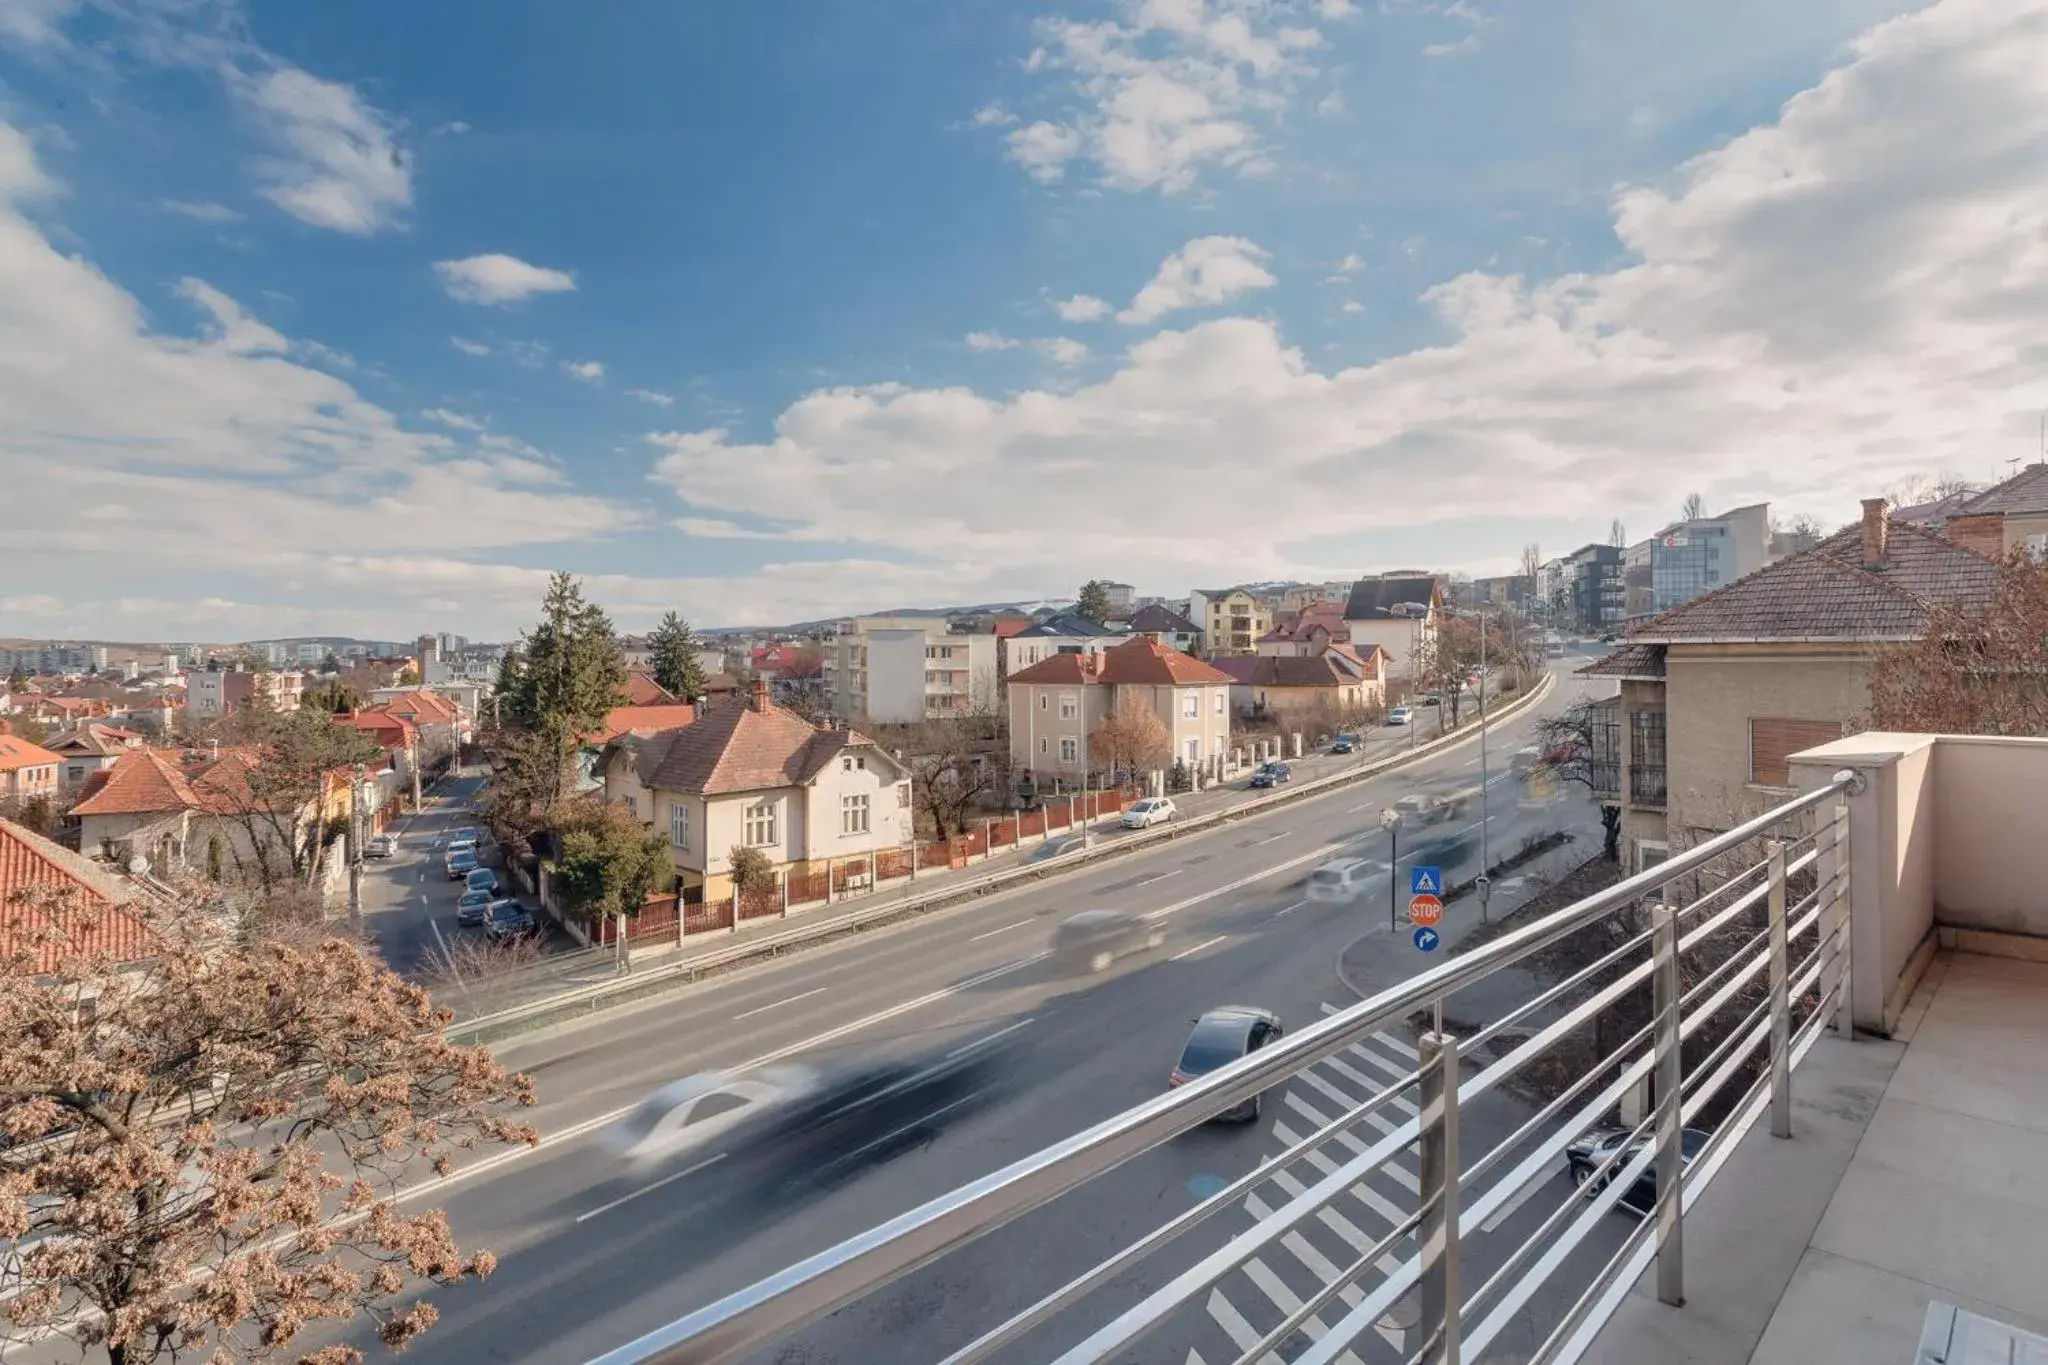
698, 1115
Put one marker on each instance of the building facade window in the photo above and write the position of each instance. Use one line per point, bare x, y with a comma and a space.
759, 824
853, 814
1773, 742
1194, 751
1190, 706
1222, 702
1646, 758
1070, 749
679, 826
1070, 706
1044, 745
1044, 702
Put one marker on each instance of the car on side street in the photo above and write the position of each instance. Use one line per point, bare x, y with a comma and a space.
481, 879
466, 835
1344, 744
460, 862
1272, 775
1220, 1037
1153, 810
1583, 1157
1093, 940
509, 919
473, 908
381, 846
1400, 715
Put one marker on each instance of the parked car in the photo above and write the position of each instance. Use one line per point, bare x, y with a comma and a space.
382, 846
466, 835
1272, 775
481, 879
1346, 879
1584, 1157
1432, 700
1220, 1037
460, 863
460, 846
1344, 744
473, 907
1153, 810
1094, 939
1400, 715
509, 919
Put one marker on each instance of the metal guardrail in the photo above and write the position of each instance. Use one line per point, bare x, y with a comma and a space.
504, 1023
1727, 953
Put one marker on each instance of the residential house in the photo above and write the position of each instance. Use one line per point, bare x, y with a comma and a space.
1716, 693
2009, 516
1155, 621
1399, 613
1595, 600
220, 691
898, 669
1065, 633
55, 904
89, 748
1056, 704
1689, 558
1305, 636
749, 774
27, 770
398, 737
1330, 689
645, 720
440, 722
1299, 598
1231, 619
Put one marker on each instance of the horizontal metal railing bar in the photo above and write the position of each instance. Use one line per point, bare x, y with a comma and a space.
821, 1283
1514, 1016
1315, 1302
1544, 1116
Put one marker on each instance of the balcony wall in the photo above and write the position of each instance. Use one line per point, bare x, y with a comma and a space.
1948, 847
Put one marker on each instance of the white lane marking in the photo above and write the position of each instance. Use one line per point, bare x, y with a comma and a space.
1372, 1085
1287, 1301
763, 1009
1362, 1191
1190, 952
1004, 930
1270, 838
911, 1126
1239, 1331
1288, 910
984, 1042
1369, 805
447, 956
1521, 1197
1308, 1255
649, 1189
1400, 1175
1277, 868
1162, 876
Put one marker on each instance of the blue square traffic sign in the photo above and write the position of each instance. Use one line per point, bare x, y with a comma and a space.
1425, 881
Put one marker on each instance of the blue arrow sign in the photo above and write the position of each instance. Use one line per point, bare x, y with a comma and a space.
1425, 881
1426, 940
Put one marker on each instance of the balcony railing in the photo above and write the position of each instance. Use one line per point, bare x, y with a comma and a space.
1742, 980
1646, 784
1604, 778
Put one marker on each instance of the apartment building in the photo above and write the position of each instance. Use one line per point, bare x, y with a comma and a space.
1231, 619
1063, 633
218, 692
1688, 558
1397, 612
891, 670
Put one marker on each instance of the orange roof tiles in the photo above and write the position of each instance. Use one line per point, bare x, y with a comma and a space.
1138, 662
642, 690
643, 720
83, 916
141, 782
17, 753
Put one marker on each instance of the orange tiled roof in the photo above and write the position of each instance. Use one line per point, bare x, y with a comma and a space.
141, 782
642, 690
430, 708
17, 753
644, 720
1138, 662
86, 918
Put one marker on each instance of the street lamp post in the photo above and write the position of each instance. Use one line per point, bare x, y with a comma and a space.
1485, 860
1390, 821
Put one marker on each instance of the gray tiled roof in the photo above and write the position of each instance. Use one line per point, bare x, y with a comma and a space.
1630, 661
1826, 594
2026, 491
1374, 599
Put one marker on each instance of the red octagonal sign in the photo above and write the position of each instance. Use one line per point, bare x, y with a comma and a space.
1425, 909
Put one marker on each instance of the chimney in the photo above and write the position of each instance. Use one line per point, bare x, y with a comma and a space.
697, 708
760, 701
1877, 524
1984, 533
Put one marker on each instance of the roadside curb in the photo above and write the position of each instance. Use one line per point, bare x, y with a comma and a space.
570, 1005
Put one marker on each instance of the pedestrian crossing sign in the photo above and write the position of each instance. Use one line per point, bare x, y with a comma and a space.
1425, 881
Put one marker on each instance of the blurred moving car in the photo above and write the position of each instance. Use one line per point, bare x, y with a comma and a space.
480, 879
1220, 1037
1426, 808
1526, 760
1583, 1157
1344, 744
1400, 715
1094, 939
460, 862
1272, 775
1346, 879
473, 907
509, 919
1153, 810
382, 846
1054, 848
695, 1114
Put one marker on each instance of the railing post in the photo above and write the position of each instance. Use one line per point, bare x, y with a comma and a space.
1781, 1003
1438, 1235
1670, 1085
1834, 922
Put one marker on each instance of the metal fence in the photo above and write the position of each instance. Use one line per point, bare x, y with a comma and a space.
1709, 1003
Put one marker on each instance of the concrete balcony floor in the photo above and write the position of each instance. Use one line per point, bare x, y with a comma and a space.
1917, 1171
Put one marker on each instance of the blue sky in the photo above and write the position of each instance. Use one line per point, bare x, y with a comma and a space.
358, 317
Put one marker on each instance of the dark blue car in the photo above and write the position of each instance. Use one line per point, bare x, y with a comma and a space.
1272, 775
510, 919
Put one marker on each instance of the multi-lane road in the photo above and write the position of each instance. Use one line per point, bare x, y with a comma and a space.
588, 1260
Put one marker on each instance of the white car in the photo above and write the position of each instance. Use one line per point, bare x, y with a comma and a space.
383, 846
1153, 810
1346, 879
1400, 715
698, 1114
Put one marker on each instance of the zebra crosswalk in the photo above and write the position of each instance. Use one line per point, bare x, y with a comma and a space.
1263, 1292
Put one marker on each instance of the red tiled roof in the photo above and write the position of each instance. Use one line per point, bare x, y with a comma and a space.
642, 690
645, 720
98, 740
1059, 668
1135, 662
393, 732
82, 917
17, 753
736, 748
141, 782
430, 708
1009, 626
1323, 670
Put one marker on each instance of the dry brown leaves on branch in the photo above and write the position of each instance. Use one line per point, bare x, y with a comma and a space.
194, 1151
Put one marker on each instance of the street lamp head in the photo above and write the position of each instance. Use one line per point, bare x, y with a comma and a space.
1390, 818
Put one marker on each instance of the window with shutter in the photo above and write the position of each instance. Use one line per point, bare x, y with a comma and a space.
1773, 741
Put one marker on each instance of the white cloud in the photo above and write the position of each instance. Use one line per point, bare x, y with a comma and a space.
1082, 308
1170, 87
1208, 270
1353, 306
659, 400
589, 371
468, 347
495, 278
1464, 44
33, 22
338, 167
1352, 261
988, 341
1822, 305
992, 116
1335, 9
205, 210
452, 419
1064, 350
238, 332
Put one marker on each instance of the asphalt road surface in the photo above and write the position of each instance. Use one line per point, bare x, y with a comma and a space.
589, 1259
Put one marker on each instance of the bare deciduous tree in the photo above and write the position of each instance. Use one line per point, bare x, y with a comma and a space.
1532, 562
201, 1161
1694, 508
1131, 742
1979, 670
1575, 752
1617, 534
1923, 488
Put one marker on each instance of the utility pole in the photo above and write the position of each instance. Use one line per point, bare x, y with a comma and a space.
1485, 863
355, 849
